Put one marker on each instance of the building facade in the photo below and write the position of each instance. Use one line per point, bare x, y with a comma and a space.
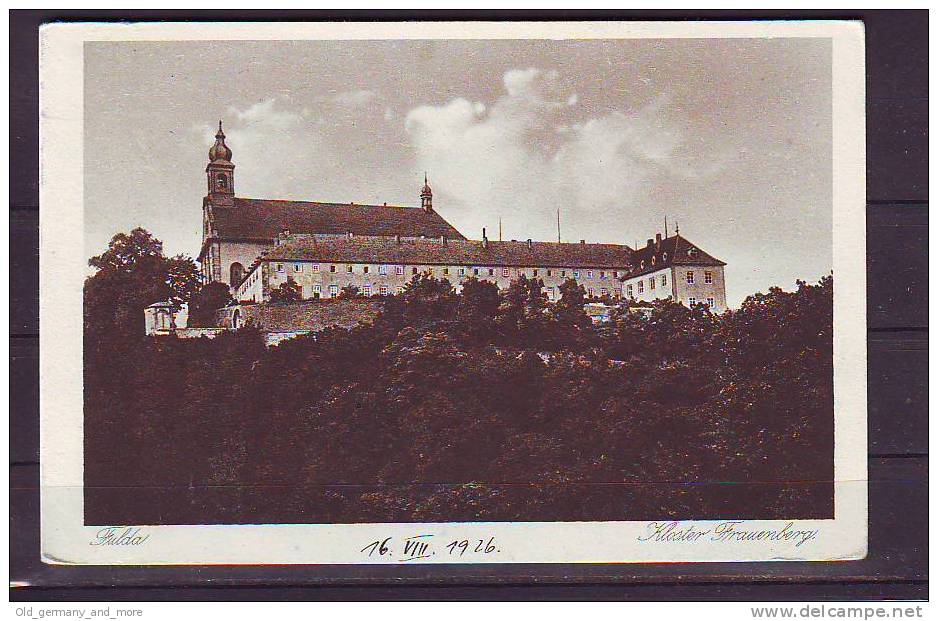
322, 267
256, 245
673, 267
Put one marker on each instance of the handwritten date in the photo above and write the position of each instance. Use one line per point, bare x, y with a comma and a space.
420, 547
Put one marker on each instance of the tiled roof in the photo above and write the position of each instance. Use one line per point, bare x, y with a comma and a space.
452, 252
674, 250
252, 218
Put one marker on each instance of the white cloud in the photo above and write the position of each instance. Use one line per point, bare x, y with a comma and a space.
528, 154
309, 150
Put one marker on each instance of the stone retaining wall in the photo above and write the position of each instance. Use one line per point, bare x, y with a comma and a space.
311, 315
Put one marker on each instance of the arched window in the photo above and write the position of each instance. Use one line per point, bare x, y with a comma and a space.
237, 273
222, 181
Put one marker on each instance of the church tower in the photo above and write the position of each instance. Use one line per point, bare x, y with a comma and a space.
220, 171
426, 195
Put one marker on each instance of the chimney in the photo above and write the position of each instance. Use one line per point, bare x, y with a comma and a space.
485, 240
530, 243
582, 241
658, 239
651, 243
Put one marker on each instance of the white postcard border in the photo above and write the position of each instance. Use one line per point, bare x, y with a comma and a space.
66, 540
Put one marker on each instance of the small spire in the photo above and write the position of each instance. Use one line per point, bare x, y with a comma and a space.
677, 228
426, 194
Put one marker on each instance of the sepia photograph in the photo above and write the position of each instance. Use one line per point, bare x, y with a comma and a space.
481, 282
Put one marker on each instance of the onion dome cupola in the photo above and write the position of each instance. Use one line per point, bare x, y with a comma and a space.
426, 195
219, 150
220, 170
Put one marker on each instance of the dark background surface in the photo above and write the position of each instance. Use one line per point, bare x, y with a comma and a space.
897, 240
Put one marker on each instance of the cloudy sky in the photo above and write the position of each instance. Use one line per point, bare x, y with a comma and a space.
730, 138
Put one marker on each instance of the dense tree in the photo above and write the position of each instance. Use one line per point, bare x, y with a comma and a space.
130, 275
208, 299
428, 299
350, 291
477, 309
287, 293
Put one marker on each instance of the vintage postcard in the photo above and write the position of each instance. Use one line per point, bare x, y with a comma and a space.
452, 293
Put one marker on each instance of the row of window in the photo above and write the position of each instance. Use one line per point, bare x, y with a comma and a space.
476, 271
708, 279
367, 290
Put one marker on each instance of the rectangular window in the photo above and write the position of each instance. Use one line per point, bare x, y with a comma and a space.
317, 290
589, 274
708, 278
506, 272
365, 270
446, 271
366, 290
297, 267
348, 268
615, 274
399, 270
519, 272
651, 283
462, 271
628, 290
617, 293
535, 273
550, 293
602, 275
491, 272
315, 267
691, 301
641, 286
603, 292
710, 302
664, 280
280, 267
475, 271
576, 273
332, 268
590, 292
400, 290
333, 291
548, 273
382, 270
413, 270
383, 290
690, 278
